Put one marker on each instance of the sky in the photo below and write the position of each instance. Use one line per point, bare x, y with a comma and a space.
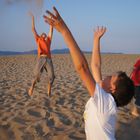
121, 17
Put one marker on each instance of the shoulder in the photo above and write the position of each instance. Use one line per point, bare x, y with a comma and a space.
37, 37
48, 38
99, 91
102, 97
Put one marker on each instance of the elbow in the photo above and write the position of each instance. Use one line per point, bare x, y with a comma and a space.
33, 30
95, 66
81, 67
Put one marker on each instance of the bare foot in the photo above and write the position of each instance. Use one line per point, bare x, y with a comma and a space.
30, 92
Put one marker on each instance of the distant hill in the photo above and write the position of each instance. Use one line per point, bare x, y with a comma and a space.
17, 53
60, 51
55, 51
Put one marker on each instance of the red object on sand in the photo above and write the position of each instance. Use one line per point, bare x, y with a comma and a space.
135, 75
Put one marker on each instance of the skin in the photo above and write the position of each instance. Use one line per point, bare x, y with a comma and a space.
78, 58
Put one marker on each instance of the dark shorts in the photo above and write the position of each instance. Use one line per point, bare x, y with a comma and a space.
137, 96
44, 63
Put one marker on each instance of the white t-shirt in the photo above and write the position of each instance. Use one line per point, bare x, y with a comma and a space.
100, 116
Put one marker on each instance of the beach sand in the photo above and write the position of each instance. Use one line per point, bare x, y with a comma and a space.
59, 117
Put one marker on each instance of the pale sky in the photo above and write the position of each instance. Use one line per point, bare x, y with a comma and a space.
121, 17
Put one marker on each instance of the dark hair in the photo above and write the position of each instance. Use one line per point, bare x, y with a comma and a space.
124, 89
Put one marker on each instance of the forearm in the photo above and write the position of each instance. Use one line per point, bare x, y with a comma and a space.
80, 62
33, 28
96, 61
33, 24
76, 54
51, 32
96, 56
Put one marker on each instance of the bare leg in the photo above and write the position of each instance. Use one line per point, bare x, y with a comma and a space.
38, 70
49, 89
49, 69
35, 80
30, 92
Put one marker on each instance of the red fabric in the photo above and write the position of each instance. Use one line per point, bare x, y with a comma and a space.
135, 76
43, 46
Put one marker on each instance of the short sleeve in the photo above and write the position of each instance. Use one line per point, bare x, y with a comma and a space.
102, 100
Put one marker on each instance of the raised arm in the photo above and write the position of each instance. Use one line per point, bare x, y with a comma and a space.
33, 26
78, 58
50, 32
96, 55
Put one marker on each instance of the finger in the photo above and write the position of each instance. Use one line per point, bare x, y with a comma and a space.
56, 12
49, 21
97, 28
104, 29
53, 16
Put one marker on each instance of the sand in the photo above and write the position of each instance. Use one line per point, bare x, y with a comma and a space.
59, 117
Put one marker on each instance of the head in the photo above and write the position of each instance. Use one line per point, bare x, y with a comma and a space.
43, 35
120, 86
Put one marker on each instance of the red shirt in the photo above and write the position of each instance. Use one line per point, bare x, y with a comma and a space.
43, 46
135, 75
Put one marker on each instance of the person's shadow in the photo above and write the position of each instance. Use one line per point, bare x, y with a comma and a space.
129, 130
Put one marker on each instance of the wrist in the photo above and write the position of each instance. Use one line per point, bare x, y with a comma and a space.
65, 30
96, 38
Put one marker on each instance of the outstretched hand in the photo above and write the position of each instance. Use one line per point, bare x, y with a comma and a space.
55, 20
99, 32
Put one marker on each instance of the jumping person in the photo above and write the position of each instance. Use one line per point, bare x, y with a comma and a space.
44, 57
106, 95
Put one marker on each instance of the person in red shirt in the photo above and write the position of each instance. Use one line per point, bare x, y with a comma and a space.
135, 76
44, 60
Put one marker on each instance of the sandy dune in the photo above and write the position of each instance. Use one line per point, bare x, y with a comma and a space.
59, 117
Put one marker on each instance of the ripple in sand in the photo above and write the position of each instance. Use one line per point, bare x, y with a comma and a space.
64, 119
28, 137
6, 133
77, 124
50, 122
59, 129
39, 130
73, 137
19, 120
61, 101
34, 113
